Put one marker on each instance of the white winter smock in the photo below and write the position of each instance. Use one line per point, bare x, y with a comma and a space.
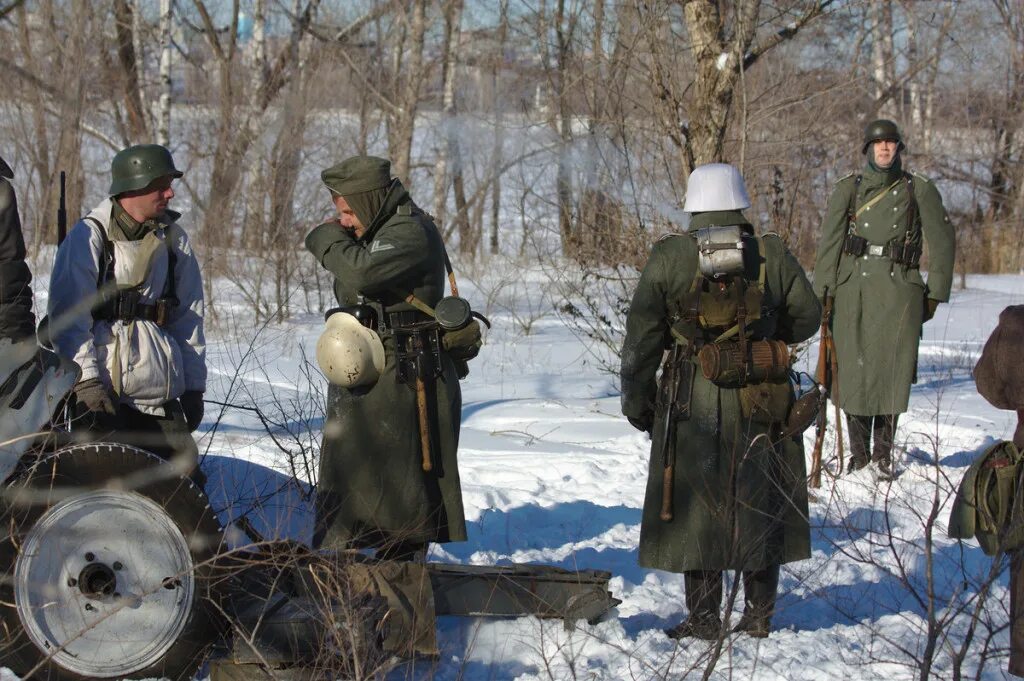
143, 364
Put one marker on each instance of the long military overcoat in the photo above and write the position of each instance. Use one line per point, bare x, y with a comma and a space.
739, 501
372, 489
879, 304
16, 318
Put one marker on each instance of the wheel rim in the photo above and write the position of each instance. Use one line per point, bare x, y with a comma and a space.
104, 583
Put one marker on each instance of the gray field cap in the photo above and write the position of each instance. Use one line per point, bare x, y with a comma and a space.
357, 174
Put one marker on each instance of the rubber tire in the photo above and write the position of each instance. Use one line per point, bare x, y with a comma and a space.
98, 466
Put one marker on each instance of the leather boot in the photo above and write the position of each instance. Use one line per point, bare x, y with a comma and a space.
885, 434
703, 599
759, 589
859, 428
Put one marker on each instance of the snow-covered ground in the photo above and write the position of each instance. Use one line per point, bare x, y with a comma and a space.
553, 474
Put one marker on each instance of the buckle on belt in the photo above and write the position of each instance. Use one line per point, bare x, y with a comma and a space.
875, 249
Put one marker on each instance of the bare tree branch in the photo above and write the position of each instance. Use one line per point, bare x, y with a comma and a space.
784, 34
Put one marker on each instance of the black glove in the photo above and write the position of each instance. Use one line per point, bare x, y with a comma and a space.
644, 423
930, 305
95, 396
192, 405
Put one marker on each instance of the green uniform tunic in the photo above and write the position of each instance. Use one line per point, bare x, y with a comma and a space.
739, 503
879, 304
372, 489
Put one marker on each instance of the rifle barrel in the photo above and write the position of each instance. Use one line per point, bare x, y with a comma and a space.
62, 211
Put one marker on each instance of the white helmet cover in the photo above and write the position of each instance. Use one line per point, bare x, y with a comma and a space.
349, 354
715, 186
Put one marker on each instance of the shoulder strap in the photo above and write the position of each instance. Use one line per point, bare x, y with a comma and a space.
105, 268
410, 208
913, 202
912, 233
697, 275
172, 260
762, 276
851, 208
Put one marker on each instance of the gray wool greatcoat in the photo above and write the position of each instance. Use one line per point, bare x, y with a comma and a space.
740, 502
879, 304
372, 489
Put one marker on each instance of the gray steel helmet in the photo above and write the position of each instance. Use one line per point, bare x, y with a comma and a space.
135, 167
5, 170
882, 129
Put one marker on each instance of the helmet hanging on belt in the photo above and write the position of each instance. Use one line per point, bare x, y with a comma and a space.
349, 354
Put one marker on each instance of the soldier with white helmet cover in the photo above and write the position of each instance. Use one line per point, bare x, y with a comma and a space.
726, 485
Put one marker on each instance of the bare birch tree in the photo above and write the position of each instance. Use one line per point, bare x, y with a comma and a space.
498, 109
408, 74
163, 125
448, 161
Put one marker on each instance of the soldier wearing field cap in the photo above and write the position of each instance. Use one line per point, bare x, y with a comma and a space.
389, 475
878, 224
126, 304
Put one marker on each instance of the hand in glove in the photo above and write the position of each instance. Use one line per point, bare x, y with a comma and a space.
192, 405
644, 423
930, 305
464, 343
95, 396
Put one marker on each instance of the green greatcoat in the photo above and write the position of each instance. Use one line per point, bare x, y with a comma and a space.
372, 489
879, 304
739, 503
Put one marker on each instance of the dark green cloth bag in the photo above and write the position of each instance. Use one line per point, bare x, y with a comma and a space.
989, 505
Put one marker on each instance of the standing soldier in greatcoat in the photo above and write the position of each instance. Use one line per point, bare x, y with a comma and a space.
389, 476
16, 318
876, 227
726, 488
126, 304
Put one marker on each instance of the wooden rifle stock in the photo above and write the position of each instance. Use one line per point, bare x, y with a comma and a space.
826, 361
834, 392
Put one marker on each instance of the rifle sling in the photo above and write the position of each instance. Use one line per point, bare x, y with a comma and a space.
410, 298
